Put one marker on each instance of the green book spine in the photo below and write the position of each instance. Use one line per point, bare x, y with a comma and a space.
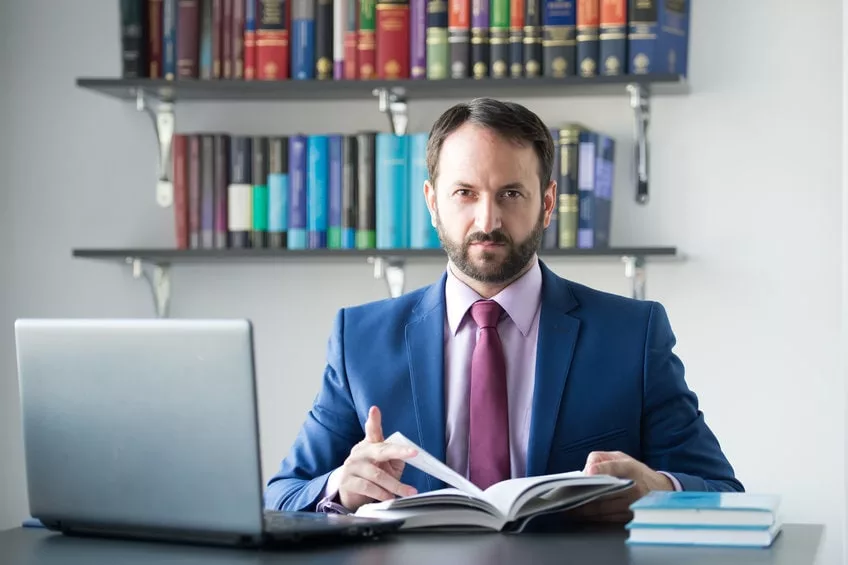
499, 38
438, 50
260, 192
568, 194
366, 42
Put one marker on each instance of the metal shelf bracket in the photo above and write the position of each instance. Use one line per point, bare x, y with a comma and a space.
634, 270
392, 101
162, 114
640, 98
158, 277
392, 270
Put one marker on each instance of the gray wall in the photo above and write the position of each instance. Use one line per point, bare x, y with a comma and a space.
746, 180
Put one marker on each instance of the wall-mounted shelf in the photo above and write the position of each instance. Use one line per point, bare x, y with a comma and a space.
158, 97
154, 264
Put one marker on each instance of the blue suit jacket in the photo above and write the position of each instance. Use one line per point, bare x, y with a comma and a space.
606, 379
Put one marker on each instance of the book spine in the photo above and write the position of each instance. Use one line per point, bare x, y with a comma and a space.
366, 224
240, 192
532, 38
559, 42
422, 233
154, 38
237, 38
459, 37
550, 238
272, 40
278, 191
499, 39
201, 184
133, 39
217, 38
227, 39
303, 39
339, 20
206, 58
351, 41
323, 39
392, 197
438, 53
317, 173
418, 39
516, 38
674, 36
642, 36
179, 163
586, 173
334, 203
588, 48
169, 39
366, 54
259, 200
188, 38
568, 146
220, 162
613, 37
349, 192
297, 192
392, 39
480, 38
605, 161
250, 39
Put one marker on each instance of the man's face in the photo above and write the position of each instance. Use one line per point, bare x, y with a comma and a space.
487, 204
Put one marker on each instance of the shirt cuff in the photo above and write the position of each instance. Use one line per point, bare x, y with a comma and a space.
673, 479
330, 503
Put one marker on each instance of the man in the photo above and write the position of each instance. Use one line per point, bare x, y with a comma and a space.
501, 369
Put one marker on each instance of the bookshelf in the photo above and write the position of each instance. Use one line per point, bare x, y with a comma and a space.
158, 98
154, 264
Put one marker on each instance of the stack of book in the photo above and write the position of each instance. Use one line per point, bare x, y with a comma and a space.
732, 519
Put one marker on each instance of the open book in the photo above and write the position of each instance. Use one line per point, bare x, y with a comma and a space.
506, 506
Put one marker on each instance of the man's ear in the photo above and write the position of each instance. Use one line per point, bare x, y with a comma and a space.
430, 197
549, 201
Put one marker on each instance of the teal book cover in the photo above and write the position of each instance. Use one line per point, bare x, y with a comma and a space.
392, 195
422, 232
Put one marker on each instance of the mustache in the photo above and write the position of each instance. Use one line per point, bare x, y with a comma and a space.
497, 236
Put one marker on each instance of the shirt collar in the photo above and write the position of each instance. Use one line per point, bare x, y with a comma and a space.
520, 299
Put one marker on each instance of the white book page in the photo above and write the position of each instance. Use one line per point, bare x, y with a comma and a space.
429, 464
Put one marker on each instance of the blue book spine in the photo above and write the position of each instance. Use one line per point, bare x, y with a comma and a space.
169, 39
605, 159
392, 156
586, 173
206, 59
303, 39
278, 196
550, 239
559, 38
317, 190
422, 232
334, 220
658, 36
296, 238
612, 51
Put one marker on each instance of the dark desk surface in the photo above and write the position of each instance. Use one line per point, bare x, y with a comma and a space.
796, 545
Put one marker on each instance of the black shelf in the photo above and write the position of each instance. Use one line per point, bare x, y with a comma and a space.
224, 255
418, 89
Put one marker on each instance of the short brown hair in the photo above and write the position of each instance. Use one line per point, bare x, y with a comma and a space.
510, 120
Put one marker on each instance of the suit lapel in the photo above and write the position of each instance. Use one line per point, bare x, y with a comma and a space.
556, 341
425, 348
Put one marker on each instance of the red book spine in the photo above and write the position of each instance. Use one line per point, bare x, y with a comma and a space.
392, 40
154, 38
250, 43
179, 155
272, 39
188, 33
217, 38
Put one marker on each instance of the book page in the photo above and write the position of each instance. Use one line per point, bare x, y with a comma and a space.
429, 464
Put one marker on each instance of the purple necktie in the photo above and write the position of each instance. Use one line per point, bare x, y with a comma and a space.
488, 436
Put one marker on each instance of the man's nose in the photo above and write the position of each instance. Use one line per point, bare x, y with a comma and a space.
488, 215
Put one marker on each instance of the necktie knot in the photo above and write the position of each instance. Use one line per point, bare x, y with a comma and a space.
486, 313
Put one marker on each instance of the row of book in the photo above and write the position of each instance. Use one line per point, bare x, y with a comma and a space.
356, 191
401, 39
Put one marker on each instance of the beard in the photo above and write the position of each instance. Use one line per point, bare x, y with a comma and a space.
491, 267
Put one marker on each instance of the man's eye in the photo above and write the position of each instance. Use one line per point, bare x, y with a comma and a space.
512, 194
464, 193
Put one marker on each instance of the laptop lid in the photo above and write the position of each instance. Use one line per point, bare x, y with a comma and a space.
143, 425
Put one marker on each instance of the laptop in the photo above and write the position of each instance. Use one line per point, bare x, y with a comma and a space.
148, 428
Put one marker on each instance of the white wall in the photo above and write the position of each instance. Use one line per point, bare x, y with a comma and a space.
746, 180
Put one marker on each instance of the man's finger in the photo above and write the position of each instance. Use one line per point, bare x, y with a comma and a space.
381, 478
621, 468
385, 452
374, 426
364, 487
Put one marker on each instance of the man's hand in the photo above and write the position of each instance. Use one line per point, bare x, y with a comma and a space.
616, 507
373, 469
